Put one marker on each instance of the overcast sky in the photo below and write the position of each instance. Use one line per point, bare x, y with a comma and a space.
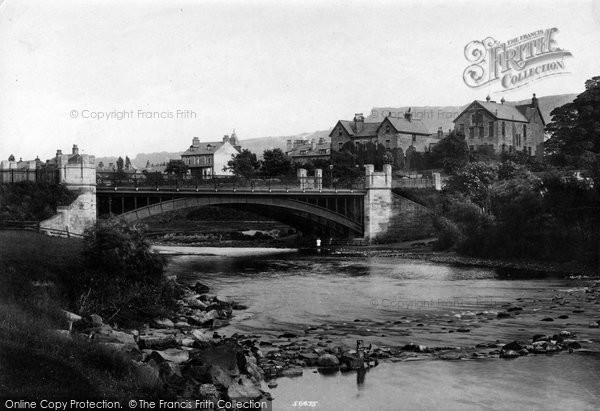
261, 67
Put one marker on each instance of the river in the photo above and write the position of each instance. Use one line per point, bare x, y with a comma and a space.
391, 302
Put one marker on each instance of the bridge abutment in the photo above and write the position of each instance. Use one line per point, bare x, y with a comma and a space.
78, 173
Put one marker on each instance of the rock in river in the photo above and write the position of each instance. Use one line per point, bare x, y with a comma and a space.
328, 360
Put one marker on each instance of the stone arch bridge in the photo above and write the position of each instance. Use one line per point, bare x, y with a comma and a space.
370, 211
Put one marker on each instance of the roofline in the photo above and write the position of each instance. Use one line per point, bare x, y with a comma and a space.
495, 115
400, 131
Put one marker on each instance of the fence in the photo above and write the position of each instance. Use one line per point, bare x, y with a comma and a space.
35, 226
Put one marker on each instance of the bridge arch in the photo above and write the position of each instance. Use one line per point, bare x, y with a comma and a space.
300, 214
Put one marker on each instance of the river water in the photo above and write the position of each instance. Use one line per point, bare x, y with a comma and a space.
391, 302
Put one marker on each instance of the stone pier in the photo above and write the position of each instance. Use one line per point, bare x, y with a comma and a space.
78, 173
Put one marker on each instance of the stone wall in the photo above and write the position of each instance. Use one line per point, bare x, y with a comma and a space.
390, 217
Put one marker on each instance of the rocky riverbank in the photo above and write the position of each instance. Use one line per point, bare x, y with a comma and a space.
191, 355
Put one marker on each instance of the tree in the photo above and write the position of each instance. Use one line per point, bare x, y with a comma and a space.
120, 164
244, 164
474, 182
127, 163
100, 165
11, 158
276, 163
575, 130
177, 167
451, 153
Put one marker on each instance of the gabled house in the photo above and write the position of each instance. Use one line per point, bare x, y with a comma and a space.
210, 159
503, 127
304, 151
393, 133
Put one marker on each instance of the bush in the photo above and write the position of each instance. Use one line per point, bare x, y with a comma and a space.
123, 278
29, 201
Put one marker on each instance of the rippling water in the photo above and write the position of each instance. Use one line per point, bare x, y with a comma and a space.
393, 301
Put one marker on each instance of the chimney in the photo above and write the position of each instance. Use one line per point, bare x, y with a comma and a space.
58, 152
321, 140
408, 115
534, 101
313, 145
196, 141
75, 149
488, 98
359, 122
502, 100
225, 138
289, 145
440, 132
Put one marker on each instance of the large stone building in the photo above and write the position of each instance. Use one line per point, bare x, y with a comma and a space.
305, 151
504, 127
210, 159
393, 133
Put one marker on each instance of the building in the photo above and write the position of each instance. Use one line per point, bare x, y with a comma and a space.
400, 134
304, 151
503, 127
210, 159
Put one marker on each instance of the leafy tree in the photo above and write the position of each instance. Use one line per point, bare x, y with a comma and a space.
120, 163
575, 130
177, 167
11, 158
451, 153
276, 163
127, 162
101, 165
244, 164
473, 181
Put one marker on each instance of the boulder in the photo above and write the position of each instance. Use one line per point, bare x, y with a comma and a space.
96, 320
208, 392
114, 336
200, 288
60, 333
195, 303
508, 354
292, 372
163, 323
328, 360
243, 390
200, 336
594, 325
503, 315
220, 376
174, 355
540, 337
157, 341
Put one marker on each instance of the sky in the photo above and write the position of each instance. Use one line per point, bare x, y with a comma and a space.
263, 68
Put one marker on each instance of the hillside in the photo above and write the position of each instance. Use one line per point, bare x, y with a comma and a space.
432, 116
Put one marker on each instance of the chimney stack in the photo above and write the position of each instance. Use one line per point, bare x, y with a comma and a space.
289, 146
534, 101
225, 138
440, 132
502, 100
408, 115
313, 145
359, 122
75, 149
196, 141
58, 152
321, 140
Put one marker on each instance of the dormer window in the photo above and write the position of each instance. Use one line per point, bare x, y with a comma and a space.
340, 131
387, 129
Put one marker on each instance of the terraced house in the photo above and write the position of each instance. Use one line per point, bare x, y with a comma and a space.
402, 134
503, 127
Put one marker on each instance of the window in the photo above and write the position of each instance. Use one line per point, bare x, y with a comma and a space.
387, 129
303, 152
340, 144
491, 129
473, 117
524, 132
387, 143
471, 132
323, 151
340, 131
529, 149
481, 130
504, 148
471, 148
503, 129
461, 128
414, 138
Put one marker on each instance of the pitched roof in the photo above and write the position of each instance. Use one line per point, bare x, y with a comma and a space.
297, 151
526, 109
203, 148
499, 111
368, 129
414, 126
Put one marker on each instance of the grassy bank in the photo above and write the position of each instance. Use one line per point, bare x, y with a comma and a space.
35, 360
